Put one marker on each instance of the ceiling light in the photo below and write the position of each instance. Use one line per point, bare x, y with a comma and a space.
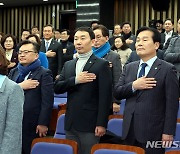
45, 0
1, 3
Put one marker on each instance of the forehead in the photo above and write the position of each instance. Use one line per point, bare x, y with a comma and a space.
168, 22
126, 25
146, 33
81, 33
64, 32
25, 32
117, 26
118, 39
48, 28
9, 38
26, 46
98, 32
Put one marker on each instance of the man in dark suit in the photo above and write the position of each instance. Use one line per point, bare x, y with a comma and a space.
88, 82
53, 50
151, 100
37, 83
168, 27
68, 47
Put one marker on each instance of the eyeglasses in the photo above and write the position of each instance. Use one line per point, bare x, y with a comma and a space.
25, 52
98, 37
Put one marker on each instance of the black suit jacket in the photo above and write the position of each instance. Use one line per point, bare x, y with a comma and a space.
154, 110
88, 104
163, 39
55, 63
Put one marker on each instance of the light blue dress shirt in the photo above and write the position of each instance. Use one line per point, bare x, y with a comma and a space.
2, 78
148, 67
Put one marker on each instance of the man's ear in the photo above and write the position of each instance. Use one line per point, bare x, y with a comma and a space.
107, 38
157, 44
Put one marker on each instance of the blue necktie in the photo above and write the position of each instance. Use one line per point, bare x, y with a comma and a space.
47, 46
142, 71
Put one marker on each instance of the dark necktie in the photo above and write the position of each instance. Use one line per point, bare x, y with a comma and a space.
142, 71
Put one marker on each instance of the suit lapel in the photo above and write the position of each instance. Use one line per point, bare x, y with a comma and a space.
90, 62
51, 45
154, 68
34, 73
73, 67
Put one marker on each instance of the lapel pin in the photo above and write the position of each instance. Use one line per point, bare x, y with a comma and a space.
155, 68
90, 62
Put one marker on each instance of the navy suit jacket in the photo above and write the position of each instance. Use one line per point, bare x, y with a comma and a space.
39, 101
88, 104
154, 110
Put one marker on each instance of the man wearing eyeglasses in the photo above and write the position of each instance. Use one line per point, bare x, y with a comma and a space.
102, 50
37, 83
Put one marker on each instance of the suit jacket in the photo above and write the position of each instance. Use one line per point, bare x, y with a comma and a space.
154, 110
39, 101
172, 53
163, 39
55, 63
116, 68
11, 113
14, 59
88, 104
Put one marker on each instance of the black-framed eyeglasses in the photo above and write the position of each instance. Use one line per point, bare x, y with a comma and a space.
25, 52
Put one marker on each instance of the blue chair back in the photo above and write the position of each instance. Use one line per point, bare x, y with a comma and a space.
60, 132
108, 151
51, 148
122, 105
115, 126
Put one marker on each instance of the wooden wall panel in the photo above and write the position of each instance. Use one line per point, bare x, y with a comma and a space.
13, 20
138, 13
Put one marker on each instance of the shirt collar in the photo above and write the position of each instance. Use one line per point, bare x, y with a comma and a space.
2, 78
169, 33
49, 41
149, 62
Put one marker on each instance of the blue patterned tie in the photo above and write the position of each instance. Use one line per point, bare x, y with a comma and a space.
47, 46
142, 71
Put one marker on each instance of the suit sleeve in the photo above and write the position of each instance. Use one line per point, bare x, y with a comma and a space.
105, 95
123, 90
63, 84
11, 142
170, 55
117, 70
47, 97
60, 58
172, 101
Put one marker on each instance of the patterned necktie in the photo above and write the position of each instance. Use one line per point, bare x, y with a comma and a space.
47, 46
142, 71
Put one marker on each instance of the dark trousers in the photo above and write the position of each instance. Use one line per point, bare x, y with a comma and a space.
131, 140
85, 140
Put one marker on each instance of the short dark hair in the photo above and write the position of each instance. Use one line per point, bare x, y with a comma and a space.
36, 46
36, 37
25, 30
156, 35
4, 39
124, 23
169, 20
34, 27
123, 47
65, 30
104, 30
95, 22
49, 25
3, 62
86, 29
